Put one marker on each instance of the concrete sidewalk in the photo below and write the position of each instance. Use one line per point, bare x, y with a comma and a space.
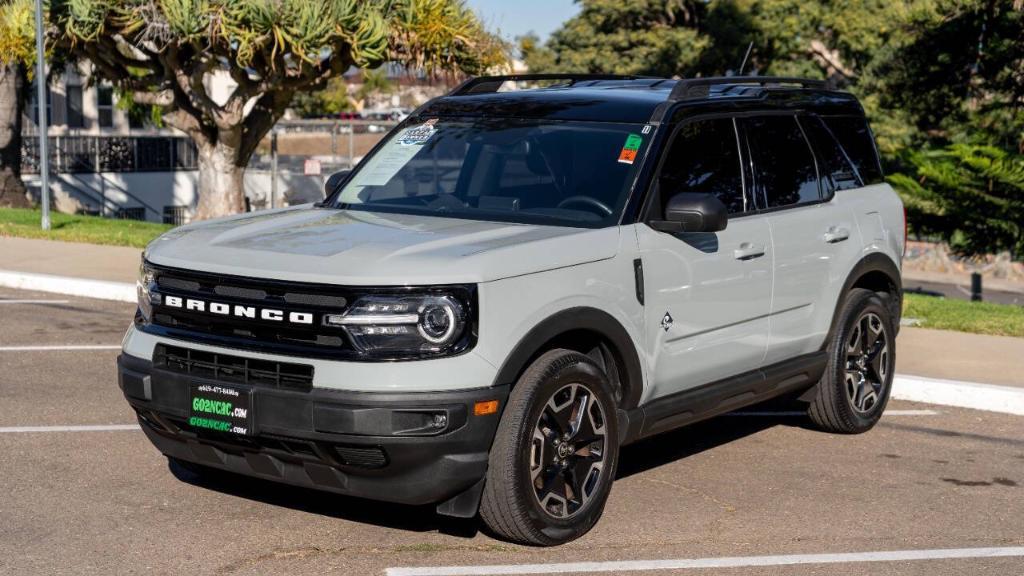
88, 261
922, 352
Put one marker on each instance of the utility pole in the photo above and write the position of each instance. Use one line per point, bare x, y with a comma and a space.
44, 152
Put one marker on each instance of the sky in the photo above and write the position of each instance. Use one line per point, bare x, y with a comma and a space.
517, 17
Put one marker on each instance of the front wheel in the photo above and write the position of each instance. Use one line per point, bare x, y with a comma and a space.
555, 453
854, 390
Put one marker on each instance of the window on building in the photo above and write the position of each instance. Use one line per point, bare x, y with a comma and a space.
105, 106
785, 172
75, 116
35, 106
704, 159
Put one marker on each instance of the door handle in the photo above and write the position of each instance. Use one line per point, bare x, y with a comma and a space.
836, 234
748, 251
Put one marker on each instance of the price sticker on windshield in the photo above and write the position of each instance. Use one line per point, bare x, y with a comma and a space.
417, 136
629, 149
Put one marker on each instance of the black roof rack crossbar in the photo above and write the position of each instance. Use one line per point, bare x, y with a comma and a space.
690, 88
487, 84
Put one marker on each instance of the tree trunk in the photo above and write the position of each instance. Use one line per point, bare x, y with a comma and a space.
12, 104
221, 191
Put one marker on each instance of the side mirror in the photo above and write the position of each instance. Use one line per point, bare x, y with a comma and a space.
335, 180
692, 212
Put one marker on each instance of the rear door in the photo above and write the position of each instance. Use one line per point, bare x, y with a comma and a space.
811, 232
708, 295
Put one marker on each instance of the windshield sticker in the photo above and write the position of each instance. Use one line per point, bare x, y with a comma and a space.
629, 149
418, 135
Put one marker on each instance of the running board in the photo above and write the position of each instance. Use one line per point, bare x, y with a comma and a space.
709, 400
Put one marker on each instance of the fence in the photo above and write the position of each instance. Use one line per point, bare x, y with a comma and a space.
91, 154
106, 174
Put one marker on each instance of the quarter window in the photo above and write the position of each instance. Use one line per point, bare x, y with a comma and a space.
785, 173
704, 158
854, 136
837, 173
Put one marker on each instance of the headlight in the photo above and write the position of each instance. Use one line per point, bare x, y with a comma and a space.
403, 324
143, 286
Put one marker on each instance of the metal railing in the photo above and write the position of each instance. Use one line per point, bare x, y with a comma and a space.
93, 154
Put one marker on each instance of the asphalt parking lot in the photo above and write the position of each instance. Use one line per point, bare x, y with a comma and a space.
92, 501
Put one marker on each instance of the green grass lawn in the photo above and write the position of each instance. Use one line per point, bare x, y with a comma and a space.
74, 228
964, 316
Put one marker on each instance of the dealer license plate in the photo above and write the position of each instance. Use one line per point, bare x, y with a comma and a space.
220, 408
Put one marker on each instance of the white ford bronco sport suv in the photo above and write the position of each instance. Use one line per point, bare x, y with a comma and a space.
514, 284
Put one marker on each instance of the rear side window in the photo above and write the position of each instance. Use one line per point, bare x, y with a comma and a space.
837, 172
854, 136
785, 173
704, 158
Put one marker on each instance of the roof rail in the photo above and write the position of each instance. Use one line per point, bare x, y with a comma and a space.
488, 84
700, 87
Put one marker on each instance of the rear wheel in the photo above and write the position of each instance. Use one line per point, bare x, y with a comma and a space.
555, 453
854, 390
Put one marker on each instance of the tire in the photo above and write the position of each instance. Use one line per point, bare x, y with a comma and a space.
526, 462
854, 390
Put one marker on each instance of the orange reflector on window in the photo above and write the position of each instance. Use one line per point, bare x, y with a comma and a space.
485, 408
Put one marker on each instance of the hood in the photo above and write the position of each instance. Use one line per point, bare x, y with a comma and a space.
306, 244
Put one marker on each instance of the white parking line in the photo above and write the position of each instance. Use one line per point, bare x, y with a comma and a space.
769, 414
991, 397
60, 348
34, 301
693, 563
84, 428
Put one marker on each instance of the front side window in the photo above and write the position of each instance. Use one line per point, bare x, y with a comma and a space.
704, 159
785, 173
502, 169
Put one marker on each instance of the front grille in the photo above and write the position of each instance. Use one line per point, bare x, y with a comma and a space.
297, 327
230, 368
256, 333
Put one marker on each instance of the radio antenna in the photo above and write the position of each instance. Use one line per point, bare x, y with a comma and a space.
745, 56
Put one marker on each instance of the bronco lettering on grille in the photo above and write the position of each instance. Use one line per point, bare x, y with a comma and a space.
238, 310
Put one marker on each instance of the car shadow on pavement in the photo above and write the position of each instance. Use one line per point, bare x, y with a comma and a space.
684, 442
400, 516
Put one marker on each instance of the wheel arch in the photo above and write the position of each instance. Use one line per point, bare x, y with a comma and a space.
589, 331
876, 272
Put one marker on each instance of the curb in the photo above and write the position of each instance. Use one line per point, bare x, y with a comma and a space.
990, 397
104, 290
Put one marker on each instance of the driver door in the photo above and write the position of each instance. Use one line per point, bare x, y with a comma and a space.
708, 295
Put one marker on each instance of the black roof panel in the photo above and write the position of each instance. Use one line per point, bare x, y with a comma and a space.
632, 100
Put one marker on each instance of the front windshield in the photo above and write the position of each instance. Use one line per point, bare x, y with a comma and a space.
511, 170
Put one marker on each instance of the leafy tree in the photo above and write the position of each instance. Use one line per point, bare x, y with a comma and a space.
329, 102
163, 53
17, 56
972, 196
637, 37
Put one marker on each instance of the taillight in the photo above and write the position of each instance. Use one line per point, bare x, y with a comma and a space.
904, 230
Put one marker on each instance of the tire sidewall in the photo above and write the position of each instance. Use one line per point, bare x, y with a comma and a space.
582, 371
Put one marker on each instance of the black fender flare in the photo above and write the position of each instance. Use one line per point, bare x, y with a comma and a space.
874, 262
569, 320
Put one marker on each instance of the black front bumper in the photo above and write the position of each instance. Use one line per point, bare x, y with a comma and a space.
368, 445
